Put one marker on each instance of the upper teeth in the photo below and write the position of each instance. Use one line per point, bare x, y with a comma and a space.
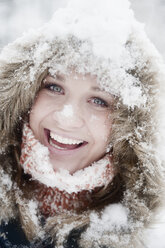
64, 140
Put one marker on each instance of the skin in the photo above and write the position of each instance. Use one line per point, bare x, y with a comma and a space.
73, 107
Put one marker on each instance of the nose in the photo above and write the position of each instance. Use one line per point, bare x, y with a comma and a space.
69, 117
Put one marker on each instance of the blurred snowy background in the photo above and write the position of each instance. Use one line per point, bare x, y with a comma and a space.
17, 16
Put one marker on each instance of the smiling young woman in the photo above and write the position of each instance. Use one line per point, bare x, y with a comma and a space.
80, 162
75, 121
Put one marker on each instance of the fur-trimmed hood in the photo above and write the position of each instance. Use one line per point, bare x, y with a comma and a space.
133, 74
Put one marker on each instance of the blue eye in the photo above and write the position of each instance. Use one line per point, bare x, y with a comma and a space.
100, 102
54, 88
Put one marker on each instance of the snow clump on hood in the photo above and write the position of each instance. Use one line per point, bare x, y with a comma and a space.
106, 30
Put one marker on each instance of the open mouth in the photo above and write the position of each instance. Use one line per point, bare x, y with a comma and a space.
61, 143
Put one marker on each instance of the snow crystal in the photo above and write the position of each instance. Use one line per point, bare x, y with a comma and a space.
6, 180
115, 214
109, 225
114, 217
67, 111
32, 205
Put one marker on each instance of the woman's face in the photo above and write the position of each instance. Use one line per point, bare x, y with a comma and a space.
72, 117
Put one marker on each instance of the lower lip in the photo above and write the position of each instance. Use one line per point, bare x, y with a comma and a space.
57, 151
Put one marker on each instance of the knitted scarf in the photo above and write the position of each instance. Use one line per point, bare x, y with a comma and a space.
60, 191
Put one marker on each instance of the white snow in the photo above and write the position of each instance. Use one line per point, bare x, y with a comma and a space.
114, 27
32, 205
114, 217
6, 180
114, 24
66, 112
104, 53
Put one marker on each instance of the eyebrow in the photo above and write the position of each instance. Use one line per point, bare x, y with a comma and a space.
100, 90
60, 78
96, 89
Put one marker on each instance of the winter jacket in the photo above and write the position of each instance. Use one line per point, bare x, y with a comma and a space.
129, 67
12, 236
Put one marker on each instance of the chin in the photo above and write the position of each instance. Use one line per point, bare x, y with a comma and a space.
70, 168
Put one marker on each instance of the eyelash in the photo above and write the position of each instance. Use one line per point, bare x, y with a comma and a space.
99, 102
54, 87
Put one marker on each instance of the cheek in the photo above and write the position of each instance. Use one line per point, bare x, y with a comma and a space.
35, 115
38, 111
34, 120
100, 127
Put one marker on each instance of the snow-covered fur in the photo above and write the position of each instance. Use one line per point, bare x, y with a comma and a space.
136, 84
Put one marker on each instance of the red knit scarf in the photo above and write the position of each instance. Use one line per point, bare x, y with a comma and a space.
59, 191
